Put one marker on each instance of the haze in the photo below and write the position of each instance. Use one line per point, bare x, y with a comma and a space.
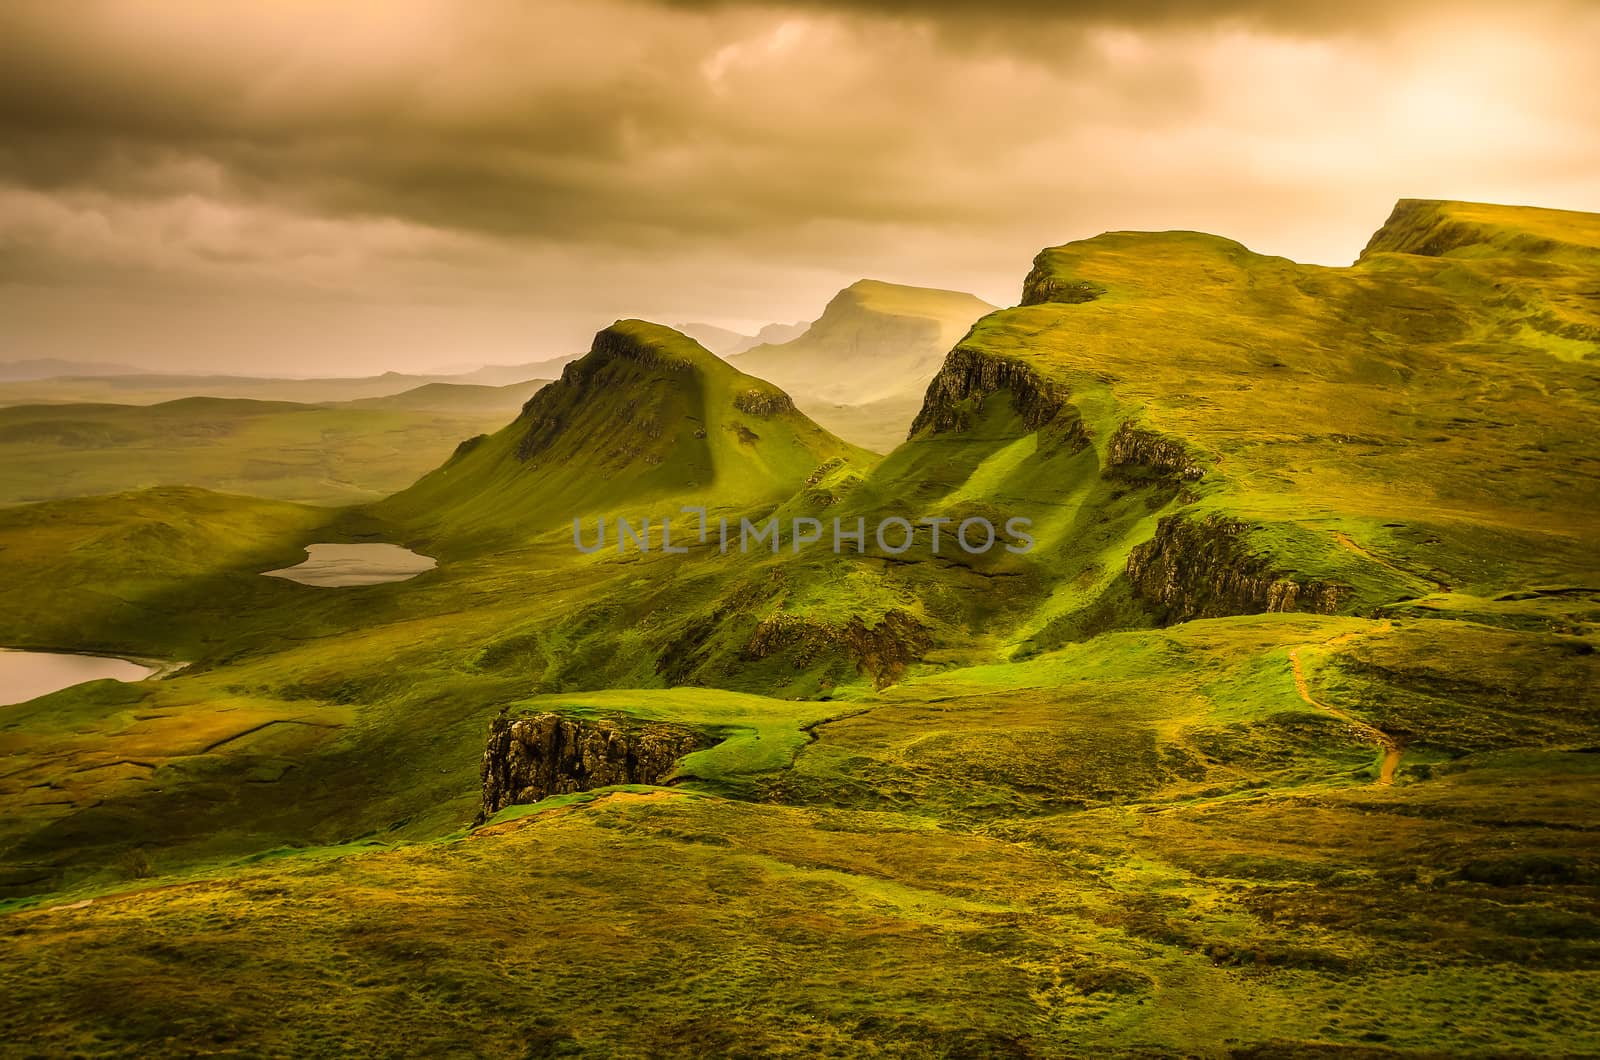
294, 188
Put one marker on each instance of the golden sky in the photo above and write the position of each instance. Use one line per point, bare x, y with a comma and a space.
310, 188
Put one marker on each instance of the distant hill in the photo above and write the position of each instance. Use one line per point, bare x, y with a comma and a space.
150, 388
862, 367
333, 453
1278, 742
506, 374
51, 367
726, 343
647, 413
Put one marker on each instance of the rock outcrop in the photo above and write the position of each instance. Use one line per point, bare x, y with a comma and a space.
1203, 568
970, 374
1043, 284
534, 757
1134, 447
883, 650
762, 403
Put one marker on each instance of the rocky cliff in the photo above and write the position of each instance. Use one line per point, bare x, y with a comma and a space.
531, 758
970, 374
1134, 447
1203, 568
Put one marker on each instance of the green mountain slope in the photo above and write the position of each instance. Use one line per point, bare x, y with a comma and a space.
1279, 742
647, 420
861, 368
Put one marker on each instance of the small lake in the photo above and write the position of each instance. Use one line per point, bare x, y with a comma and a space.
25, 675
337, 566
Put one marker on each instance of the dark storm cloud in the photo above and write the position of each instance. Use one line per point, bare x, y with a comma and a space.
540, 166
1310, 16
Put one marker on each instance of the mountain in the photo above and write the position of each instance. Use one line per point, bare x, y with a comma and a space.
862, 367
726, 343
51, 367
647, 415
508, 374
1279, 741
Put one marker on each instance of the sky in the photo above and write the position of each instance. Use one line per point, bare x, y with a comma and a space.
298, 188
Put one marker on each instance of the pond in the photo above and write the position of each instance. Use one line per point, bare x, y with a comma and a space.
339, 566
26, 675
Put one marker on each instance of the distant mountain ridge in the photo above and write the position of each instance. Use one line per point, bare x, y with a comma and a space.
727, 343
139, 387
54, 367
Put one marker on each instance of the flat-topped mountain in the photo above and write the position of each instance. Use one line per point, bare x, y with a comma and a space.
862, 367
1292, 701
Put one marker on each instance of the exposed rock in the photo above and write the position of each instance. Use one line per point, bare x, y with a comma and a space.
763, 403
1203, 568
970, 374
883, 650
532, 758
1134, 447
1043, 285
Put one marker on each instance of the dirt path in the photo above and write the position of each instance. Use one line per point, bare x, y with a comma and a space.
1392, 748
1347, 542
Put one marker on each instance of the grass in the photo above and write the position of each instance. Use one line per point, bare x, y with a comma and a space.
963, 806
344, 453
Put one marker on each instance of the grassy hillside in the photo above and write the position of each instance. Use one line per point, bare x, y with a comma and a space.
1278, 743
317, 454
648, 420
860, 370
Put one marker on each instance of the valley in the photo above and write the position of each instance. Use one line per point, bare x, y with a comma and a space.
1280, 741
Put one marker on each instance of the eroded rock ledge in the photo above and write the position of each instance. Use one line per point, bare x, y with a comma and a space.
762, 403
1043, 284
970, 374
1203, 568
534, 757
1136, 447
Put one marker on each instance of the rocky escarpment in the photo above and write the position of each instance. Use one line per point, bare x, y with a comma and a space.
969, 374
763, 403
1043, 284
616, 363
1134, 447
1203, 568
883, 650
532, 758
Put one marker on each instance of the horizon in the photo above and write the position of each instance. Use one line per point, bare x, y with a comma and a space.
403, 186
744, 327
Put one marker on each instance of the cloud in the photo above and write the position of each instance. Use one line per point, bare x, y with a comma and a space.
545, 165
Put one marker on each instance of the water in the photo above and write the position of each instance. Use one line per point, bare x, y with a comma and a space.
336, 566
25, 675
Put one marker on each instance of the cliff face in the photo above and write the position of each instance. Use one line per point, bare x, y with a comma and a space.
532, 758
883, 650
763, 403
1202, 568
970, 374
1044, 285
1135, 447
617, 364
